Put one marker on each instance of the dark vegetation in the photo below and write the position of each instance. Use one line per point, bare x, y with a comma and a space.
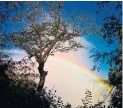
112, 35
17, 91
52, 34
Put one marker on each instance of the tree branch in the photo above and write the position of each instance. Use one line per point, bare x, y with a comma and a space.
51, 45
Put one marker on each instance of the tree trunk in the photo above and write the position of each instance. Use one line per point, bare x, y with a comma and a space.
42, 77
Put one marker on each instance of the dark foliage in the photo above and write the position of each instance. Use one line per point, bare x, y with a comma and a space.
21, 94
112, 34
42, 35
18, 91
7, 9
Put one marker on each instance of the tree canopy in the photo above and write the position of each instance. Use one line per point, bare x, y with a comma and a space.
47, 29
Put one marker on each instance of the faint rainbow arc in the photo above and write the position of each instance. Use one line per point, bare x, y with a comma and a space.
87, 72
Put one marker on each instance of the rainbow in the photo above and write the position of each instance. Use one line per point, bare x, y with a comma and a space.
87, 72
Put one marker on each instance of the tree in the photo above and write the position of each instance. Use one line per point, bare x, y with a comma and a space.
17, 90
112, 34
6, 10
87, 101
47, 31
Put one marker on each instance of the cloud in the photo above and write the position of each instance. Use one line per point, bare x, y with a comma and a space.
13, 51
16, 54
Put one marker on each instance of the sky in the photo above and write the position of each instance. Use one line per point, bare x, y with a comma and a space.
88, 9
67, 74
61, 72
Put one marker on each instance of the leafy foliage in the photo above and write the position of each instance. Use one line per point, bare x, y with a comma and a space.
18, 90
87, 102
52, 33
15, 92
6, 10
112, 34
45, 31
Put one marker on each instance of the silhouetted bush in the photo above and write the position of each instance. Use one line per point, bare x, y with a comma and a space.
18, 91
22, 93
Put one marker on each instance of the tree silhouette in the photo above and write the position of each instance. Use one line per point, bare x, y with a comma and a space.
17, 90
47, 31
112, 34
44, 33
